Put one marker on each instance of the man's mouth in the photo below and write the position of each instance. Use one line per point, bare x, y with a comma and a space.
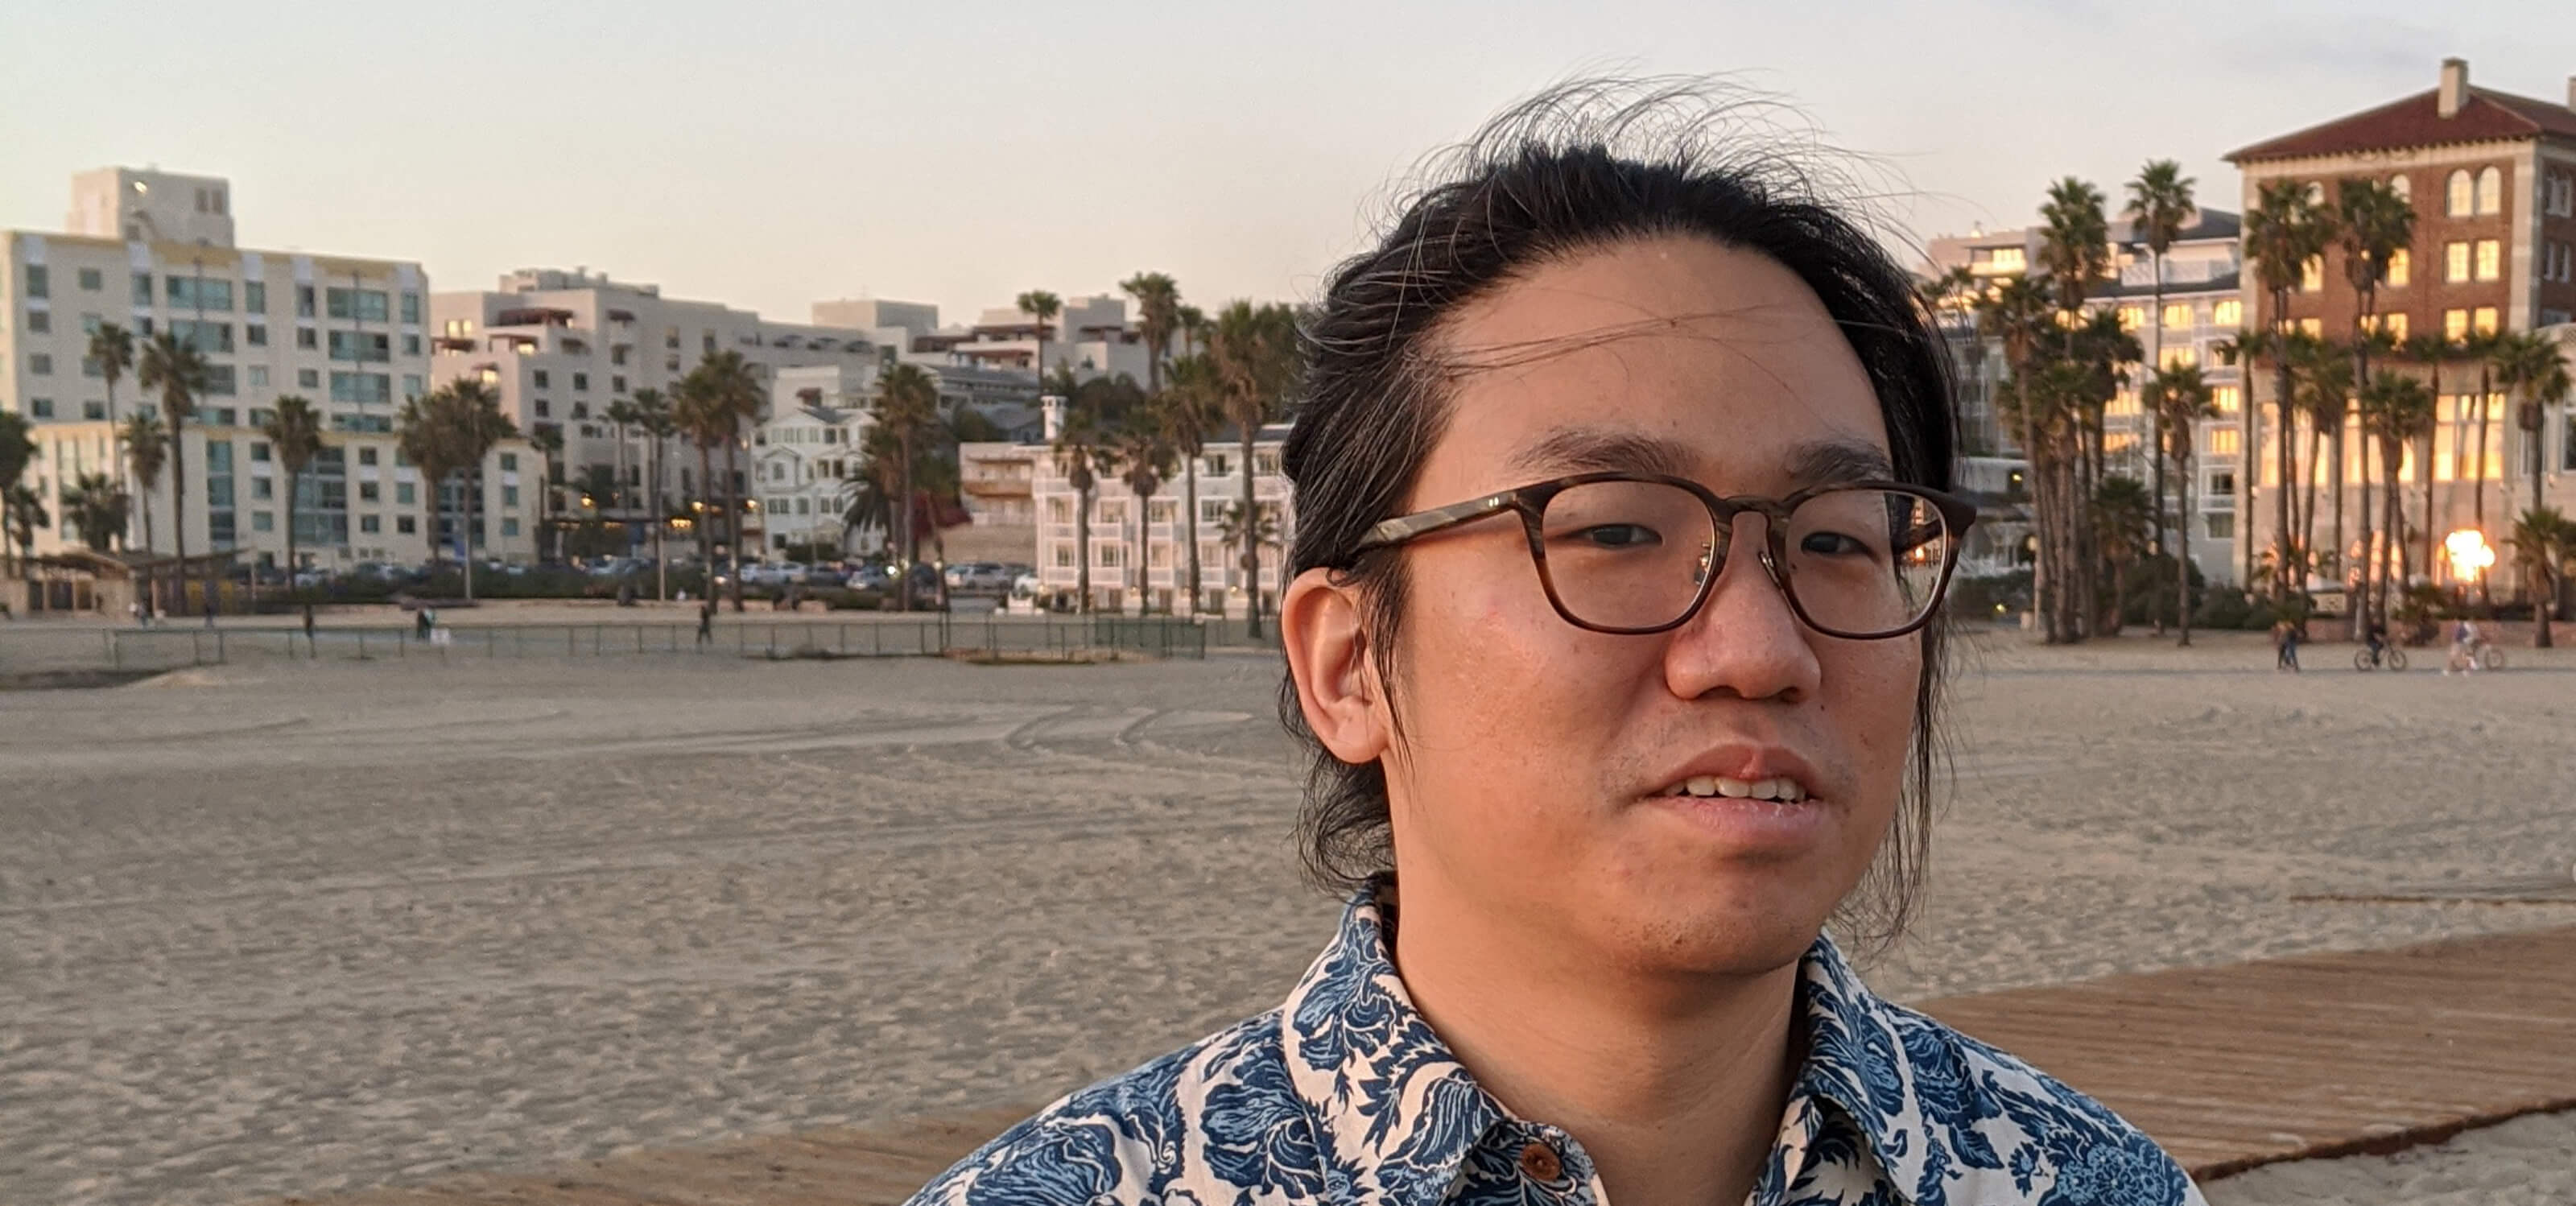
1779, 788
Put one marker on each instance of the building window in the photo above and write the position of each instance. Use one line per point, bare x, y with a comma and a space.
509, 496
40, 322
2490, 259
2459, 195
360, 305
406, 525
369, 492
2455, 325
617, 385
2229, 313
2225, 441
371, 524
540, 378
2221, 525
198, 293
255, 334
581, 410
2455, 263
2180, 356
1211, 511
2177, 316
366, 456
2394, 324
262, 489
2484, 320
411, 307
304, 301
307, 338
2403, 187
509, 525
2490, 191
39, 282
93, 411
1064, 556
259, 450
411, 345
42, 408
262, 521
142, 288
2131, 317
91, 281
2313, 328
2312, 275
581, 381
255, 297
2226, 398
411, 385
2221, 485
403, 494
2401, 267
509, 462
1110, 556
545, 409
308, 378
40, 364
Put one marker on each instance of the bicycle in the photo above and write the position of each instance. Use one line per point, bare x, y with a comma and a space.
2368, 658
2483, 655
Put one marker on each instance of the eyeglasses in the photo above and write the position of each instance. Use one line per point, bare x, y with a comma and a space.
1638, 553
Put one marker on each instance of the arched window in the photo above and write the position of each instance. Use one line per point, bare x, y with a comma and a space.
2316, 192
2403, 187
2461, 198
2490, 191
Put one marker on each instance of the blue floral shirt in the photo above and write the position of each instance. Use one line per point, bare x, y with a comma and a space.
1344, 1095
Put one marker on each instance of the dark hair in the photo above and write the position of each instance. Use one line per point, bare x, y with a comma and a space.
1580, 166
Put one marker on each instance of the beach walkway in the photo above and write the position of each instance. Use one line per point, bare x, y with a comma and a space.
2228, 1067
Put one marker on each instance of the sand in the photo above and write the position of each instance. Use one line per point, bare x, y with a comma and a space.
284, 927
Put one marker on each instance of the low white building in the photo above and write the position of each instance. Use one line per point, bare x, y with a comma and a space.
804, 453
1139, 547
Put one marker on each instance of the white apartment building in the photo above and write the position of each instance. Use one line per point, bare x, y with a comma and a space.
561, 347
2202, 308
1091, 336
997, 482
1138, 556
804, 452
153, 252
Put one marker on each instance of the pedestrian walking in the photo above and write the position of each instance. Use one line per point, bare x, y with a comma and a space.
308, 628
707, 620
2288, 644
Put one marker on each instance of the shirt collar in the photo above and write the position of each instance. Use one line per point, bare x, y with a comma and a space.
1396, 1114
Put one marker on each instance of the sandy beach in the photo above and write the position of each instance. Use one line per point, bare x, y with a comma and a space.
286, 927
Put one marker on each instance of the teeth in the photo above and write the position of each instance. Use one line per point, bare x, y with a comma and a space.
1781, 789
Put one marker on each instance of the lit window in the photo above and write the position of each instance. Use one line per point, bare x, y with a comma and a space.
2229, 313
2313, 328
2455, 325
2490, 191
2177, 316
2394, 324
2403, 187
2131, 317
2008, 259
2490, 259
2485, 321
2312, 275
2455, 262
2180, 357
2225, 441
2459, 195
2227, 398
2401, 265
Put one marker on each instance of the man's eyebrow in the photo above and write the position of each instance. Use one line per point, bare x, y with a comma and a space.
1597, 450
1825, 462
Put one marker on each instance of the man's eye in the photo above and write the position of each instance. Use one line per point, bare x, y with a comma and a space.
1619, 536
1832, 544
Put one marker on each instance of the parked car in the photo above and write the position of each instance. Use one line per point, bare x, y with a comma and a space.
871, 577
978, 578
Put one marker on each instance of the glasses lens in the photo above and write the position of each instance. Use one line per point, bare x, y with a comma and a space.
1628, 554
1866, 562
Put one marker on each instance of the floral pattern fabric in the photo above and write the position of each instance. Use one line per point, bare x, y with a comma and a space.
1344, 1095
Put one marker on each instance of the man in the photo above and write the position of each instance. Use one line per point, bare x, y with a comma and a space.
1621, 531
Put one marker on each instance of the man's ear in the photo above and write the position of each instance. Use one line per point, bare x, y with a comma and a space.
1329, 656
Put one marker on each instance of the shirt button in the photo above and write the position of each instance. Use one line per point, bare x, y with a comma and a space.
1539, 1163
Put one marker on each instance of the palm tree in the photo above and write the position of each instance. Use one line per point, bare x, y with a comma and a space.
178, 371
426, 434
2015, 314
1081, 455
621, 416
2544, 541
479, 425
653, 417
1189, 409
732, 397
2075, 248
1043, 306
1158, 306
96, 507
2432, 352
706, 422
2124, 521
548, 440
294, 431
21, 513
147, 448
17, 451
1262, 532
1254, 350
111, 348
2321, 386
2160, 203
906, 412
2283, 233
2180, 399
2525, 362
2395, 409
1142, 454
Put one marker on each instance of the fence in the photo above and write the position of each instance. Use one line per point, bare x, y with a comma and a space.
152, 649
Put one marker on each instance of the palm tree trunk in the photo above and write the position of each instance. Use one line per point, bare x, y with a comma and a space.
2285, 442
706, 522
2358, 584
733, 523
1190, 504
661, 570
291, 480
2478, 497
179, 515
2389, 454
470, 484
1082, 549
2182, 566
2308, 560
907, 550
1251, 534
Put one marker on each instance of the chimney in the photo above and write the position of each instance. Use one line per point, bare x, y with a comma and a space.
1052, 407
2571, 92
2455, 87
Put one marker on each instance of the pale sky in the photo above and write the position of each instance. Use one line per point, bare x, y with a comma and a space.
769, 155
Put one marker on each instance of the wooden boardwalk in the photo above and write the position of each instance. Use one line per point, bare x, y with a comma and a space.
2228, 1067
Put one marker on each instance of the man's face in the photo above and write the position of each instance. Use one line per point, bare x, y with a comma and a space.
1537, 768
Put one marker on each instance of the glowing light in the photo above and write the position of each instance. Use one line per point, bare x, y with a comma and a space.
2469, 553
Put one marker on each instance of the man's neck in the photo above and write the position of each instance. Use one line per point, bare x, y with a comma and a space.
1674, 1088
